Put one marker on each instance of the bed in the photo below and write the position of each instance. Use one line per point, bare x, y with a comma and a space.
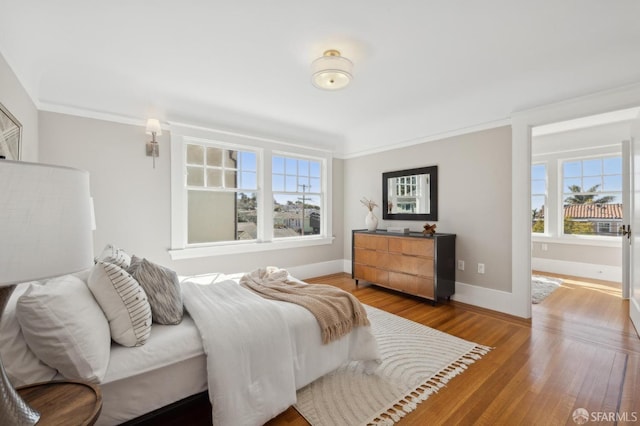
172, 364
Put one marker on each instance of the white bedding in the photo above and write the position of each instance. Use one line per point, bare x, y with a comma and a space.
260, 351
172, 364
169, 367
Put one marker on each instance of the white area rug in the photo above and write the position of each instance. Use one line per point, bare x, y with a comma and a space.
541, 287
416, 362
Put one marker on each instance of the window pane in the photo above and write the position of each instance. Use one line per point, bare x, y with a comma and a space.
278, 165
230, 179
248, 180
592, 167
538, 171
612, 183
291, 184
230, 159
294, 216
537, 214
573, 182
214, 178
221, 216
303, 167
248, 161
247, 216
278, 183
291, 166
195, 154
315, 169
613, 166
304, 185
592, 184
315, 185
538, 187
195, 176
572, 169
211, 217
214, 156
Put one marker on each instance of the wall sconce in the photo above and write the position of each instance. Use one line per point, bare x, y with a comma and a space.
153, 129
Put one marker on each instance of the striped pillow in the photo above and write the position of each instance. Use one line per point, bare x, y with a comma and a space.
123, 302
162, 288
115, 255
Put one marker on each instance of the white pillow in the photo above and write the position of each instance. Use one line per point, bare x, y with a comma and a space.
115, 255
123, 301
64, 326
22, 366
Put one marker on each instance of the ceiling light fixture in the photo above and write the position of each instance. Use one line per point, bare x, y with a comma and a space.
331, 71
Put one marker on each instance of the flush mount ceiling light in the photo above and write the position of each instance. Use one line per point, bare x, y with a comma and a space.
331, 71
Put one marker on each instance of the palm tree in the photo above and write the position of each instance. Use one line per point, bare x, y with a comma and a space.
586, 197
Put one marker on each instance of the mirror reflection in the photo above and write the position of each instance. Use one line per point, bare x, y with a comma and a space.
410, 194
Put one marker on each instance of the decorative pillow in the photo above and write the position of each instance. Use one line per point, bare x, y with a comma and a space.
163, 290
21, 365
124, 303
64, 326
117, 256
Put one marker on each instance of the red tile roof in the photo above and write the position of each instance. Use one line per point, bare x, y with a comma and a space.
589, 211
593, 211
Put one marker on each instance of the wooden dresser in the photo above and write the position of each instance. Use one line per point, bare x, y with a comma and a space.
412, 263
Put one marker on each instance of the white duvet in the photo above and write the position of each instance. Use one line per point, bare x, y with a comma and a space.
260, 351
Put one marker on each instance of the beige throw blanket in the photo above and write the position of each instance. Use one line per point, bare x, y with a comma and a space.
336, 310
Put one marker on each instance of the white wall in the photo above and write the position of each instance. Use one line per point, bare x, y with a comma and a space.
132, 199
17, 101
474, 202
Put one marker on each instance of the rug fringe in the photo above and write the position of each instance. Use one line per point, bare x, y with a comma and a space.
396, 411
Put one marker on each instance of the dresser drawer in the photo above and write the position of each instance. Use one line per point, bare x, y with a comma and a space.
410, 264
403, 282
372, 242
371, 274
376, 258
411, 246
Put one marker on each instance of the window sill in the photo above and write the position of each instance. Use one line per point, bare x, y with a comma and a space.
584, 240
242, 248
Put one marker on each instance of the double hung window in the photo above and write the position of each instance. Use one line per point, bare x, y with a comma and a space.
247, 195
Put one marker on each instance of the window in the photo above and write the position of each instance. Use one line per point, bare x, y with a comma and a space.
592, 195
297, 196
233, 193
538, 197
222, 194
408, 194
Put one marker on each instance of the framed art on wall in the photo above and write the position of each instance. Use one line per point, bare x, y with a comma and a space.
10, 133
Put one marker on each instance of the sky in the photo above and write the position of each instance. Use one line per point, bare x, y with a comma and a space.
604, 171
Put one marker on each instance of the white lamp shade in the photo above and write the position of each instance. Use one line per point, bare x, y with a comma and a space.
45, 221
153, 126
331, 72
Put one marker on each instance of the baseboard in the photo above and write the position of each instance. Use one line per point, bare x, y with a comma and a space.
496, 300
317, 269
578, 269
488, 298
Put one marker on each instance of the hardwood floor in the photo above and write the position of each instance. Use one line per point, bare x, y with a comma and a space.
579, 351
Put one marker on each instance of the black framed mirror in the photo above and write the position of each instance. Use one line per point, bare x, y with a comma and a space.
410, 194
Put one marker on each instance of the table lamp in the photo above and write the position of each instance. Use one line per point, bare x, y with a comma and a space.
45, 231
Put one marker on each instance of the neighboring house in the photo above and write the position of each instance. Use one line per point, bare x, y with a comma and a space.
292, 220
589, 219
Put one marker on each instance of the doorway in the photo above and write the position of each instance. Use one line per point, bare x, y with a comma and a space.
577, 200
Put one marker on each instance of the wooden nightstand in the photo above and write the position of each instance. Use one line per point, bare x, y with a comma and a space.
64, 402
